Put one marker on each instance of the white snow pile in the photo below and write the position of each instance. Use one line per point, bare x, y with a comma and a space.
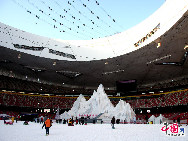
99, 103
157, 120
123, 111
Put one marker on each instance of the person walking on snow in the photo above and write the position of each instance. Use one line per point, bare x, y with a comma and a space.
113, 122
48, 125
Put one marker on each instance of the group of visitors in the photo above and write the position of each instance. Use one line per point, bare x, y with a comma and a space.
71, 121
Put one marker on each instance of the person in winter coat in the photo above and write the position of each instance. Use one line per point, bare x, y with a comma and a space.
113, 122
76, 121
70, 122
178, 120
12, 119
48, 125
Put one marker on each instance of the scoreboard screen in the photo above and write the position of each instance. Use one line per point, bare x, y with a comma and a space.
126, 86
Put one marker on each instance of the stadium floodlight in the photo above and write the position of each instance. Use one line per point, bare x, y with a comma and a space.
54, 63
19, 56
159, 44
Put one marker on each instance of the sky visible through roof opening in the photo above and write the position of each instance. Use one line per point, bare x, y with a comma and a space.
76, 19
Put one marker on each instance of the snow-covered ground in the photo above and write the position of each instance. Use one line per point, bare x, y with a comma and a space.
90, 132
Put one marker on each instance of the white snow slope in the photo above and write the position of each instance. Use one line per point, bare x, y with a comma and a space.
100, 103
90, 132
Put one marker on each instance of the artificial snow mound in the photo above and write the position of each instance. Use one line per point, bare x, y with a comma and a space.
123, 111
97, 104
158, 120
78, 104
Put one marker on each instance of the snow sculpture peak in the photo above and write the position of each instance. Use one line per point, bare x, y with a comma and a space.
123, 111
100, 89
79, 102
99, 103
